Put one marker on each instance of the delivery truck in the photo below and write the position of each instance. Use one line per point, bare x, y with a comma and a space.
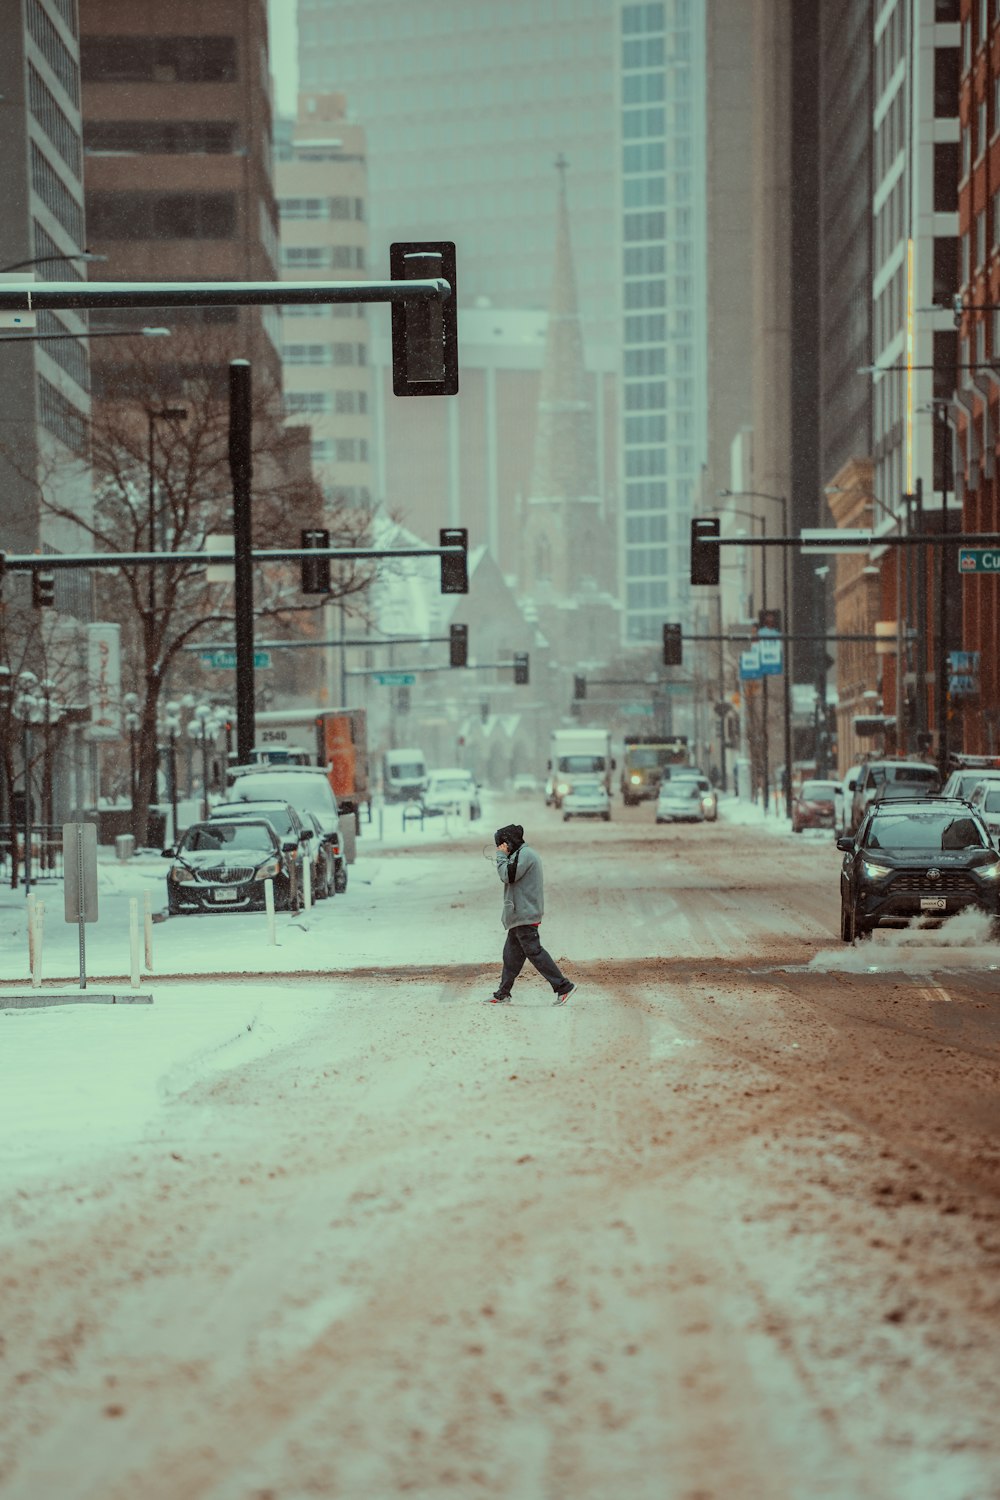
334, 738
577, 756
646, 761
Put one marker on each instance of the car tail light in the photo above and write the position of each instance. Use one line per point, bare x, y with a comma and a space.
336, 847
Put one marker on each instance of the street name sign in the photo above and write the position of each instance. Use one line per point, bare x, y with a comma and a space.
825, 539
226, 660
979, 560
395, 679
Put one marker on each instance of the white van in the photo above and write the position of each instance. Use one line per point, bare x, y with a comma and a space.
307, 788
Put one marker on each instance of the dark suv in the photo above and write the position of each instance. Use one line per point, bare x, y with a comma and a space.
926, 856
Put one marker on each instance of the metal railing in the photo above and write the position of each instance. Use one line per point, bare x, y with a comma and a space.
46, 851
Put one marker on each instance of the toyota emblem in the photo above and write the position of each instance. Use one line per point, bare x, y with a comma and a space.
933, 874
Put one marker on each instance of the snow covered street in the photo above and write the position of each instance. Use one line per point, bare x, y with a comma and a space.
726, 1225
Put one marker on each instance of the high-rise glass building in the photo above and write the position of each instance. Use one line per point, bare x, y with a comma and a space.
661, 98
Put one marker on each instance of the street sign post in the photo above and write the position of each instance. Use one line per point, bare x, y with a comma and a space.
223, 660
395, 679
80, 882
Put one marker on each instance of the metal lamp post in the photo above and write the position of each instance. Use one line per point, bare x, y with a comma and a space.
130, 703
172, 728
6, 694
203, 729
27, 708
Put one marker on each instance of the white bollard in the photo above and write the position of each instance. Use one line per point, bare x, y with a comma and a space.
307, 884
147, 922
272, 935
133, 940
29, 906
39, 942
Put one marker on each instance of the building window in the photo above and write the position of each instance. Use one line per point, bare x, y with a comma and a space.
349, 354
302, 256
945, 177
68, 352
351, 403
161, 137
980, 128
316, 402
54, 269
946, 269
162, 59
162, 216
352, 450
304, 208
306, 354
56, 195
61, 417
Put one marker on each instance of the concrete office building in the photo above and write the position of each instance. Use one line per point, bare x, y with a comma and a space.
177, 133
46, 384
465, 106
320, 179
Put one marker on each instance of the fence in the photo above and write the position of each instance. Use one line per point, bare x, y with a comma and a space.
46, 851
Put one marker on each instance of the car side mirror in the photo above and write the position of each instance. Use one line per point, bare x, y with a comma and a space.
307, 833
169, 853
289, 847
845, 844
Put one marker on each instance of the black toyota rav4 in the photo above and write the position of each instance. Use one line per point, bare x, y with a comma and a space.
919, 857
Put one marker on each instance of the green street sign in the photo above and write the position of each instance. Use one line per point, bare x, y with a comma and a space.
979, 559
395, 679
226, 660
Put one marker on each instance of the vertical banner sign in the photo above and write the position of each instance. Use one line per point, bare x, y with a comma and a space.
104, 681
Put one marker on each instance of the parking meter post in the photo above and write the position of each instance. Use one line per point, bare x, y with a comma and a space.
133, 941
272, 936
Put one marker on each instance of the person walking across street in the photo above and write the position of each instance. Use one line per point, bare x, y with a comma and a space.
520, 871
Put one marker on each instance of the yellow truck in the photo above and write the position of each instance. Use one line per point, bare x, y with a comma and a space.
646, 761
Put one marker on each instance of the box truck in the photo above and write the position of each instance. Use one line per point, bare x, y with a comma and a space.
577, 756
646, 761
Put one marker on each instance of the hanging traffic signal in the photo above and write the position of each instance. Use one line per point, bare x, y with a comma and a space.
673, 651
705, 552
520, 667
315, 570
579, 687
43, 589
424, 331
454, 570
459, 645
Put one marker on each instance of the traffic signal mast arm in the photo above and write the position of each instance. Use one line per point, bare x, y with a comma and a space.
43, 296
26, 562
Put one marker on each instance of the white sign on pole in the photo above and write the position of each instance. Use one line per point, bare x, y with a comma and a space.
104, 681
221, 572
80, 867
19, 320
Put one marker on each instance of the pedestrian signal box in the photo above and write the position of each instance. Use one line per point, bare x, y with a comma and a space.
673, 651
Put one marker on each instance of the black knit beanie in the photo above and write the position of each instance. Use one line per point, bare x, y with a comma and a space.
512, 836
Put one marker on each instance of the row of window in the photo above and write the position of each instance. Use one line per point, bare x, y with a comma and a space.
322, 208
981, 13
162, 137
69, 352
159, 59
654, 226
52, 47
324, 310
52, 267
890, 49
340, 450
56, 195
641, 530
298, 257
657, 156
61, 417
655, 328
890, 222
54, 121
162, 216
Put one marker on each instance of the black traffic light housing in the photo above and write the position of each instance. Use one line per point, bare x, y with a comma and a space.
520, 667
705, 552
424, 332
579, 687
454, 570
673, 650
315, 570
43, 588
458, 645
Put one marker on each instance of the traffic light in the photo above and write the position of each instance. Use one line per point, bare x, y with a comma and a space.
403, 700
520, 667
424, 330
579, 687
454, 570
459, 645
673, 651
43, 589
704, 552
769, 619
315, 570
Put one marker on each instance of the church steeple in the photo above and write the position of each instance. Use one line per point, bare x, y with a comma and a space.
565, 463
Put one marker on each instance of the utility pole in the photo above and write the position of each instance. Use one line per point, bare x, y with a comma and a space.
241, 469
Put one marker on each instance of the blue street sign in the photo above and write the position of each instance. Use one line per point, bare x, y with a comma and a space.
395, 679
750, 663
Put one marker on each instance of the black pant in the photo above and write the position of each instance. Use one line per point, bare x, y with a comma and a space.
524, 943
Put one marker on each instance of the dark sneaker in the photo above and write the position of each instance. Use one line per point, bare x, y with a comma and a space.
564, 995
499, 998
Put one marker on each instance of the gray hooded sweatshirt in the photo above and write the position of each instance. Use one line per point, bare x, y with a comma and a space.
522, 897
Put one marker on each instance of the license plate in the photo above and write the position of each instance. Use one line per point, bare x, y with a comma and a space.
933, 903
226, 895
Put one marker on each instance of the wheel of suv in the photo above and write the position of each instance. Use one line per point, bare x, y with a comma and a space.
848, 922
340, 880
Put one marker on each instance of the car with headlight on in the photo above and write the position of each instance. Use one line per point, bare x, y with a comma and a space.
925, 857
986, 800
814, 805
222, 866
679, 800
589, 800
452, 790
709, 796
